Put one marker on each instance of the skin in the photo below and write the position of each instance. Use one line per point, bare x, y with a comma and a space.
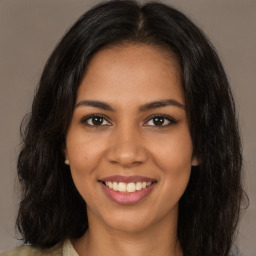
128, 142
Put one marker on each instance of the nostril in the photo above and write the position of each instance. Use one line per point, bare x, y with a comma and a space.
127, 154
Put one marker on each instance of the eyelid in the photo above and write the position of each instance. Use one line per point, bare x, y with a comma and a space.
169, 118
86, 118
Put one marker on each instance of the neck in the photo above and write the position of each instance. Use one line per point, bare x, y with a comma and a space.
158, 240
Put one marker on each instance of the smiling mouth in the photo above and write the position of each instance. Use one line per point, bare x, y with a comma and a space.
130, 187
126, 190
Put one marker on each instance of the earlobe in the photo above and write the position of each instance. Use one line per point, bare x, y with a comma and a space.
66, 156
195, 161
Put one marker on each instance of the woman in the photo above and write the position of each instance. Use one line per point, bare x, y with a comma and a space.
132, 146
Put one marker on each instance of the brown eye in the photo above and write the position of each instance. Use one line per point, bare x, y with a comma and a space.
95, 120
160, 121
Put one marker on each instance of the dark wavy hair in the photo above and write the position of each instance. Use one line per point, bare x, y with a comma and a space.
51, 209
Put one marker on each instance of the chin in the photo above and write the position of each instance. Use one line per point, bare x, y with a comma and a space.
128, 221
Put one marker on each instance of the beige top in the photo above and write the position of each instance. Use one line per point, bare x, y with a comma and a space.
68, 249
59, 250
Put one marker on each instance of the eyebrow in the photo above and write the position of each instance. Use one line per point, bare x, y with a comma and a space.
143, 108
160, 104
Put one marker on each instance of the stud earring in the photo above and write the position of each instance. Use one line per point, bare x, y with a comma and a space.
66, 161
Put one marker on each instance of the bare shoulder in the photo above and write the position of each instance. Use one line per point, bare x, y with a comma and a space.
27, 250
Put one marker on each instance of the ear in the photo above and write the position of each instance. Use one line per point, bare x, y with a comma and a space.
195, 161
65, 153
66, 161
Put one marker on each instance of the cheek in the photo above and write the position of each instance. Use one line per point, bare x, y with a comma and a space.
174, 158
82, 160
82, 166
176, 172
173, 153
84, 154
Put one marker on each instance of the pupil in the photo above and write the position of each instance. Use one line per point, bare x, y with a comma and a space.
158, 120
97, 120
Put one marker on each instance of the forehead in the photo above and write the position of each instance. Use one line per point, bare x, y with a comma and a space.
133, 70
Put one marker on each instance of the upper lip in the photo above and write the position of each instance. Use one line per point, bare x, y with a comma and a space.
127, 179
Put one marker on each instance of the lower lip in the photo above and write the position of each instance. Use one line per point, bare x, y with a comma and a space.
127, 198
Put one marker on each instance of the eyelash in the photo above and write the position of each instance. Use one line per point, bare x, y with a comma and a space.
170, 120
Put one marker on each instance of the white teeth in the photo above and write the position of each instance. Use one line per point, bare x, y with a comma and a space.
121, 187
110, 184
115, 186
138, 186
129, 187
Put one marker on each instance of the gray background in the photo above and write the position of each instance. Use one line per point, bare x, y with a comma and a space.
29, 30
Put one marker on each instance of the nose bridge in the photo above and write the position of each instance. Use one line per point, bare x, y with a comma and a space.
126, 146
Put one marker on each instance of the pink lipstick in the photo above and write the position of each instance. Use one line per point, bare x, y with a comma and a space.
127, 190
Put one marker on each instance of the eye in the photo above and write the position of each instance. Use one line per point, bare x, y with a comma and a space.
160, 121
95, 120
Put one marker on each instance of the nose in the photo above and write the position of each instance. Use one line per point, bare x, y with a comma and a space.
127, 148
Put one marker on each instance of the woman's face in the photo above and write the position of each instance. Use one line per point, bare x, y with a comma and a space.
128, 144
